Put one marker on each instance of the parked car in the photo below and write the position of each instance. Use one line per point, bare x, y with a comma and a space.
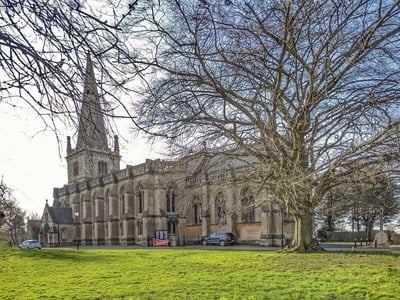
219, 238
316, 239
30, 244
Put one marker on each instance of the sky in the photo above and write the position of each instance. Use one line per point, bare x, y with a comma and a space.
30, 162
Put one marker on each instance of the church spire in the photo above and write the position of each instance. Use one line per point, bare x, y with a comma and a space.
92, 133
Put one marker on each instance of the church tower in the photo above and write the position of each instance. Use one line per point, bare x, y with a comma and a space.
92, 157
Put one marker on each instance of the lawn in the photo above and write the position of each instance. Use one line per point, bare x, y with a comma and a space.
196, 274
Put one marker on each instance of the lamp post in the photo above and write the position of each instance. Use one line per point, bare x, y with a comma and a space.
77, 229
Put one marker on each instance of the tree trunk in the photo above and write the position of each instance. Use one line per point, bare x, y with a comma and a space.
302, 241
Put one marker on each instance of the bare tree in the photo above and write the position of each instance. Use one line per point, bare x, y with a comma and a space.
14, 216
308, 88
363, 201
43, 49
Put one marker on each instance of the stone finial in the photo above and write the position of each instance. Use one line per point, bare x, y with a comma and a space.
69, 148
116, 144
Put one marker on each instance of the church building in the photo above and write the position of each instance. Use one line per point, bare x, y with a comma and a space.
183, 200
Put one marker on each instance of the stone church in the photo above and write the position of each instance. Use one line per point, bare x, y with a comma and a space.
183, 200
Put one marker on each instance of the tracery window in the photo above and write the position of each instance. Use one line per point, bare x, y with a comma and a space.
170, 201
197, 213
248, 210
220, 209
196, 210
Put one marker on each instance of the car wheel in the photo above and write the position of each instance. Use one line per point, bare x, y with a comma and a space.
222, 243
204, 243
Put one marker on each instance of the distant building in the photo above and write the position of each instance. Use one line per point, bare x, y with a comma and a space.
104, 205
33, 229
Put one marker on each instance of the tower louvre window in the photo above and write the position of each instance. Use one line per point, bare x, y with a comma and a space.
102, 168
75, 168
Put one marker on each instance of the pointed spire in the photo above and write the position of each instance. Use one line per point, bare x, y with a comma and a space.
92, 131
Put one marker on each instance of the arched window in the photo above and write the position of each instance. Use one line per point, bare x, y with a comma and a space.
102, 168
248, 210
170, 201
75, 168
220, 209
140, 227
196, 210
140, 200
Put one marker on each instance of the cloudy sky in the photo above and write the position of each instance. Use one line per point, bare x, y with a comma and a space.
30, 162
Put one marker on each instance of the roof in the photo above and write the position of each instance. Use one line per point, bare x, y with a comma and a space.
61, 215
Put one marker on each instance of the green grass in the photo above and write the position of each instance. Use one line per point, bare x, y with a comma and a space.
196, 274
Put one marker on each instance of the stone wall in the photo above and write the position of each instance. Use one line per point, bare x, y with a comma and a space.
347, 236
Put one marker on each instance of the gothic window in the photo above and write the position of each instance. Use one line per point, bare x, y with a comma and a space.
172, 226
197, 213
140, 227
248, 210
170, 201
220, 209
123, 199
141, 200
196, 210
102, 168
75, 168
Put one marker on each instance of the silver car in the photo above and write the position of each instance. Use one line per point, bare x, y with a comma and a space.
30, 244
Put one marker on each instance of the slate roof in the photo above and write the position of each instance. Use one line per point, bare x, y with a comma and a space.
61, 215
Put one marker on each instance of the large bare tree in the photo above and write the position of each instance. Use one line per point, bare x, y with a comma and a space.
308, 88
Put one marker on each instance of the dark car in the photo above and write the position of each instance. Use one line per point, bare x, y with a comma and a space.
30, 244
316, 240
219, 238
